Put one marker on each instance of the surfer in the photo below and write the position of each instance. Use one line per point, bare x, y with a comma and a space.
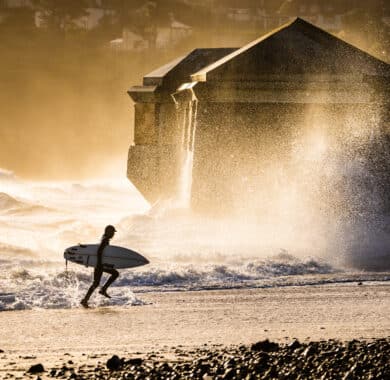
109, 233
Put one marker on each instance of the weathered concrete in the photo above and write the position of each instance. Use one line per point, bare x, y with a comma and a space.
154, 160
252, 105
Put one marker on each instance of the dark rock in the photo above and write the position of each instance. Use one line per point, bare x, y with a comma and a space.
328, 359
114, 363
228, 374
52, 372
294, 344
263, 357
265, 345
135, 361
37, 368
309, 351
272, 372
229, 363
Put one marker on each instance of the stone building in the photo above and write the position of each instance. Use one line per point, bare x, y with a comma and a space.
241, 113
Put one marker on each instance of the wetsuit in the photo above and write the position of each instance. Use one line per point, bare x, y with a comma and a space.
99, 269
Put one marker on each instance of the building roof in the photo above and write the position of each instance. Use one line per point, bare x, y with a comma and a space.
297, 47
158, 74
178, 71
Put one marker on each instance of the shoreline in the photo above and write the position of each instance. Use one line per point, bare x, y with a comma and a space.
190, 320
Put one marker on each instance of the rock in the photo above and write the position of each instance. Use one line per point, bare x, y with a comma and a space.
228, 374
229, 363
52, 372
135, 361
114, 363
263, 360
265, 345
309, 351
37, 368
294, 344
271, 373
327, 359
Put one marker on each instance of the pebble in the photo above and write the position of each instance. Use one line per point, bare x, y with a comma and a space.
327, 359
36, 368
114, 363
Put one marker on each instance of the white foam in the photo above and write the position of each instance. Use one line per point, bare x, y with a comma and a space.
39, 220
42, 285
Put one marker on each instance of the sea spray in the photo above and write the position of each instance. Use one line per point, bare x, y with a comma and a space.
187, 154
186, 253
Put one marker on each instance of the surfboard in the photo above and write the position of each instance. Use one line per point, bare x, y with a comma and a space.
113, 256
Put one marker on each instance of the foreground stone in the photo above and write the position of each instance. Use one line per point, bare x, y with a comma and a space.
262, 360
37, 368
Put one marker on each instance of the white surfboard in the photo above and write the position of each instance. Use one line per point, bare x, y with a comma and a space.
113, 256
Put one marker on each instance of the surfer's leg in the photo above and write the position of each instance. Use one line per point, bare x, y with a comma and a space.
97, 275
114, 275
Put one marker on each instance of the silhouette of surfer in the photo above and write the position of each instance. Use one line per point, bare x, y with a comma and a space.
109, 233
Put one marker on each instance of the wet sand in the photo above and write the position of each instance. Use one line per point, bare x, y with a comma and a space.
189, 320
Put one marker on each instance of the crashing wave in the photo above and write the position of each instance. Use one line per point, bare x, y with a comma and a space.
45, 285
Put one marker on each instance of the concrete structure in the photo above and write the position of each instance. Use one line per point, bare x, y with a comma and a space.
240, 111
154, 162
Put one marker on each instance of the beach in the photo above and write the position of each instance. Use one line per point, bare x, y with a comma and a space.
191, 320
177, 202
217, 297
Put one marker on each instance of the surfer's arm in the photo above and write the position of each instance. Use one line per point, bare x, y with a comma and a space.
102, 245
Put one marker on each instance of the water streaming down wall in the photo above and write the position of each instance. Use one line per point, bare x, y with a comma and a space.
256, 151
188, 125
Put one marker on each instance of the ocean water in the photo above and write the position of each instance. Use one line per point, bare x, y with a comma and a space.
38, 220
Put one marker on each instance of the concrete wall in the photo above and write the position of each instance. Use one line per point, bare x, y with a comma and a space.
153, 164
244, 152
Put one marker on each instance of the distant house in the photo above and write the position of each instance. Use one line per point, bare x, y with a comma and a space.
240, 14
130, 41
172, 34
179, 31
93, 17
89, 21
